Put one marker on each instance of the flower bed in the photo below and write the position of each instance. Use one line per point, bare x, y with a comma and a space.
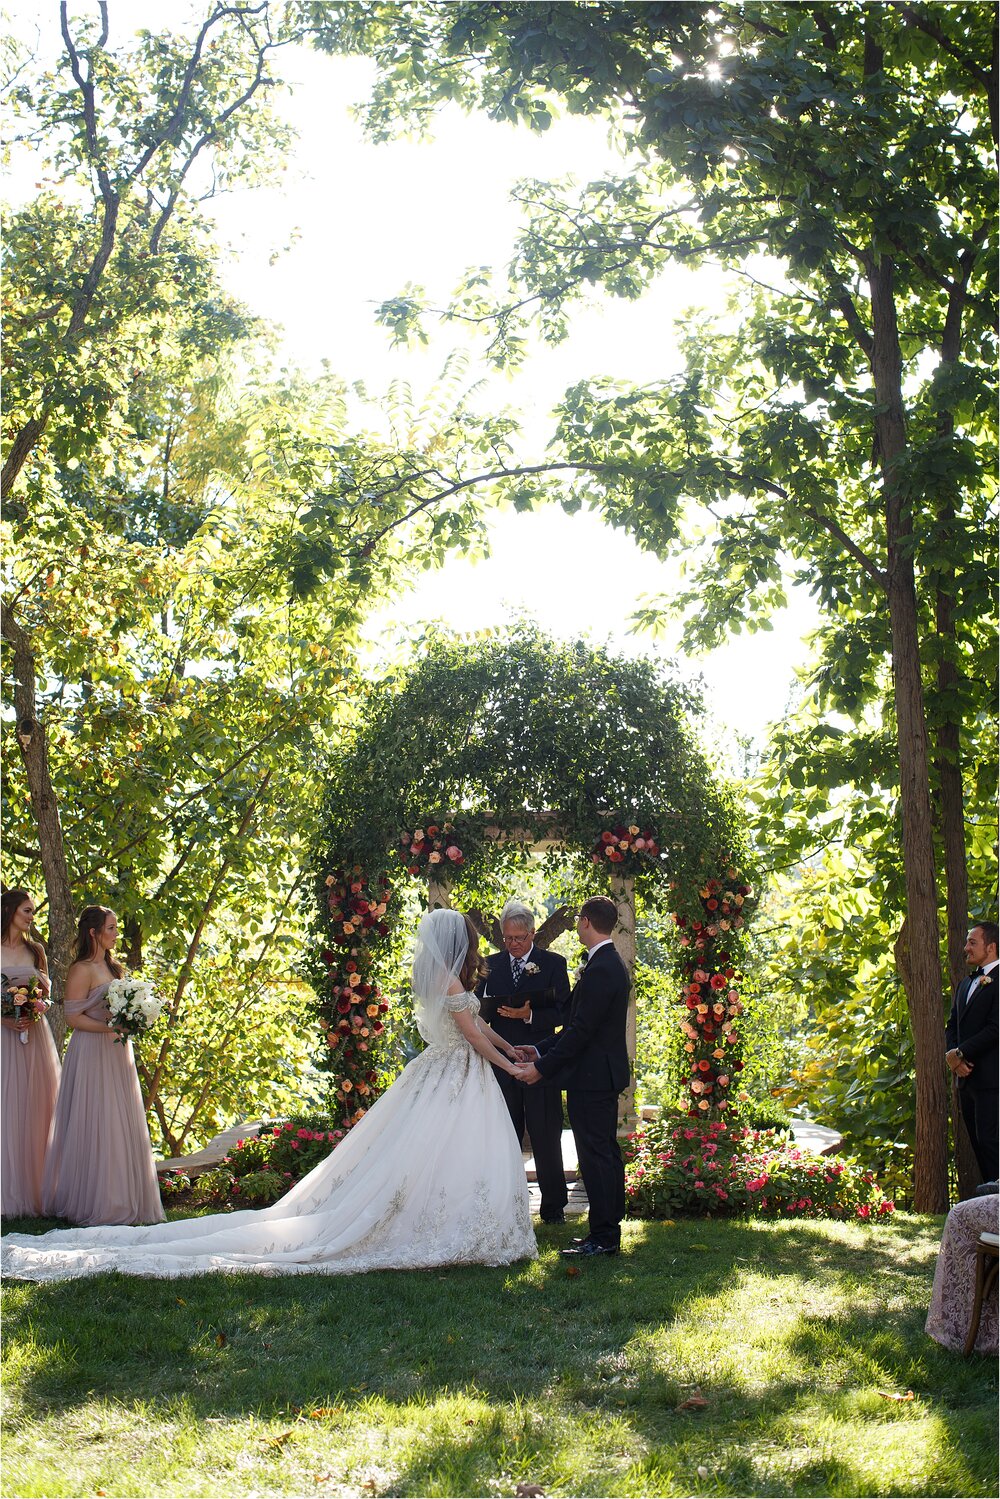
683, 1166
258, 1170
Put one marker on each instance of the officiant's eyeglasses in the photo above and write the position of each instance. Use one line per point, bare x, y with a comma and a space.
516, 938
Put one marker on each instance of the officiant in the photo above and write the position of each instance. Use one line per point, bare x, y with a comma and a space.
525, 996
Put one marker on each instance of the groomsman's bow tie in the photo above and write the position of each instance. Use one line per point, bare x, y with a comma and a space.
976, 973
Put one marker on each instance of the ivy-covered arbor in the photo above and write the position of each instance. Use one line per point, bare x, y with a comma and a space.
488, 751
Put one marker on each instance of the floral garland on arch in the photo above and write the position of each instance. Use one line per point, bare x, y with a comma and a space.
626, 850
352, 1006
712, 995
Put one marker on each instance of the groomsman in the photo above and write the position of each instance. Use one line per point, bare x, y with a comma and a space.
525, 997
590, 1059
972, 1037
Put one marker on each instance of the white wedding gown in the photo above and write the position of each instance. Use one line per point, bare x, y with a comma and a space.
432, 1175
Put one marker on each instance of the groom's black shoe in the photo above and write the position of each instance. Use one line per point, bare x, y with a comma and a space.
587, 1248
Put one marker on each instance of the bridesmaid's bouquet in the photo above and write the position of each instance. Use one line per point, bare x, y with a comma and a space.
22, 1000
134, 1007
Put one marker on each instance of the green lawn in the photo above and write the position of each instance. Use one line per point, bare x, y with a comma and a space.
472, 1381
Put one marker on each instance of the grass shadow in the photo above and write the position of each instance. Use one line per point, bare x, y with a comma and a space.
787, 1328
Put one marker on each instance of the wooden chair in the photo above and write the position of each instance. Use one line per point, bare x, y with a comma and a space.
987, 1251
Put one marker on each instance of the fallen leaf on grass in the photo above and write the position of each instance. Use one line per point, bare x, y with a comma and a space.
180, 1301
279, 1440
221, 1341
702, 1472
572, 1270
322, 1477
697, 1246
695, 1402
888, 1395
529, 1490
369, 1486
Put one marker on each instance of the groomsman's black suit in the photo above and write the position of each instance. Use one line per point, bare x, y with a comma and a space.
537, 1109
590, 1060
973, 1028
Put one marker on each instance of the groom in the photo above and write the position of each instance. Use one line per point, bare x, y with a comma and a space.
590, 1059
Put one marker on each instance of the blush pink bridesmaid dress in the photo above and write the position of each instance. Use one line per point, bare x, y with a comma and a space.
29, 1079
100, 1162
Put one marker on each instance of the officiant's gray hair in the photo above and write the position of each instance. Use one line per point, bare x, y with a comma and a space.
518, 912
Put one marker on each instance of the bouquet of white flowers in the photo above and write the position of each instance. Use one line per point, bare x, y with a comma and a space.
134, 1007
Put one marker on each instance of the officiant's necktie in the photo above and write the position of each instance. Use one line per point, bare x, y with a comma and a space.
516, 968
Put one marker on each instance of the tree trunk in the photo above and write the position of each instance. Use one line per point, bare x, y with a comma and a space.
45, 809
924, 988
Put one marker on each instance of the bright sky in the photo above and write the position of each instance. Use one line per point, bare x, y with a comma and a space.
350, 225
362, 221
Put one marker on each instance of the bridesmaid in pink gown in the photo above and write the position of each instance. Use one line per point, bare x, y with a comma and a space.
30, 1069
100, 1162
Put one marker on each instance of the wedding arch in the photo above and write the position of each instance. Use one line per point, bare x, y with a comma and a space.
488, 752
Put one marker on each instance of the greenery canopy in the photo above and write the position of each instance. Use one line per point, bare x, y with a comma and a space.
518, 733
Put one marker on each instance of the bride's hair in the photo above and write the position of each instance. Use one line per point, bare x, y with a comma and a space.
472, 969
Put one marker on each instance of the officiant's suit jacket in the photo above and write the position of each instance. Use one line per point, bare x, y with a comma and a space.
591, 1053
547, 990
973, 1027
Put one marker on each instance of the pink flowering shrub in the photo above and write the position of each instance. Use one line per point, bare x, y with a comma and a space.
676, 1166
262, 1168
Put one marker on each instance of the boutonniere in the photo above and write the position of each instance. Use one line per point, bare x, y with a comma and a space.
532, 968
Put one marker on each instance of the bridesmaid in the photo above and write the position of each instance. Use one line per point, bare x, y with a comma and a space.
30, 1071
100, 1162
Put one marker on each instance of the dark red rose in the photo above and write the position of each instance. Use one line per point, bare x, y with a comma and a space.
343, 1005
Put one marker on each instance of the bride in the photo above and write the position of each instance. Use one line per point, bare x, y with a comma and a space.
432, 1175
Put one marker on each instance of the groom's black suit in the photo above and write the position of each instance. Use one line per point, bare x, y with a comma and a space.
590, 1060
536, 1109
973, 1028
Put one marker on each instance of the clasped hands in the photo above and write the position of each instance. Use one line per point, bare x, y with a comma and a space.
526, 1072
959, 1066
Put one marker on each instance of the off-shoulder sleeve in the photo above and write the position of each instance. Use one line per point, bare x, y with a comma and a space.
454, 1003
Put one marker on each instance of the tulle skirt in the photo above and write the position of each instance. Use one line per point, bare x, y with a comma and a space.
28, 1086
100, 1162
